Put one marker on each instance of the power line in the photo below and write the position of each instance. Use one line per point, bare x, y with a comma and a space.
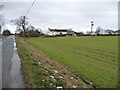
30, 8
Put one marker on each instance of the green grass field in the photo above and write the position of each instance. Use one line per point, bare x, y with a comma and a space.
95, 59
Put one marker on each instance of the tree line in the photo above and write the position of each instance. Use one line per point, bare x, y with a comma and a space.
25, 30
30, 31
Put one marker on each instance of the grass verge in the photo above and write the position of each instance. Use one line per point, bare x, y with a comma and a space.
35, 75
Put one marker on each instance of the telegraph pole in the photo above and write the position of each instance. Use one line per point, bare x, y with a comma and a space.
23, 25
0, 30
92, 23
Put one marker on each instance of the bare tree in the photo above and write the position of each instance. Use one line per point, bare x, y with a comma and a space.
1, 17
98, 30
31, 27
20, 23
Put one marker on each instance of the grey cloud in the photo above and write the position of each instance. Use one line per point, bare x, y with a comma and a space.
66, 14
61, 0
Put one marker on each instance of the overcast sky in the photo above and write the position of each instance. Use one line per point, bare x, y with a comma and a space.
63, 14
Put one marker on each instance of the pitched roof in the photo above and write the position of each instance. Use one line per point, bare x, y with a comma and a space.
59, 30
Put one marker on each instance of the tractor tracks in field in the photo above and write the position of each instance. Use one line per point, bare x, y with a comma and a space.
70, 79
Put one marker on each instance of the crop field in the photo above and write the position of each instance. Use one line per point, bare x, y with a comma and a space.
95, 59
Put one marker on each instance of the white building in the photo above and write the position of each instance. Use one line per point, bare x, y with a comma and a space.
57, 32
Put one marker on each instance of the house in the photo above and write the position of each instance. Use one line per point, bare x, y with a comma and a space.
58, 32
79, 33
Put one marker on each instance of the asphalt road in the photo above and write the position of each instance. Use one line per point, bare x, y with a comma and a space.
0, 63
11, 66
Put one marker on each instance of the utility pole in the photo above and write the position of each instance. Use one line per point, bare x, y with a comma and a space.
0, 30
23, 25
92, 23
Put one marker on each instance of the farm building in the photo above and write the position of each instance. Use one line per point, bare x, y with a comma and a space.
71, 33
60, 32
117, 32
79, 33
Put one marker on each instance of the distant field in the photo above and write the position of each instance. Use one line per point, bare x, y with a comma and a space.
95, 59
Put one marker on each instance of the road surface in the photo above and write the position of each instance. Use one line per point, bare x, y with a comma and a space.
11, 66
0, 63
